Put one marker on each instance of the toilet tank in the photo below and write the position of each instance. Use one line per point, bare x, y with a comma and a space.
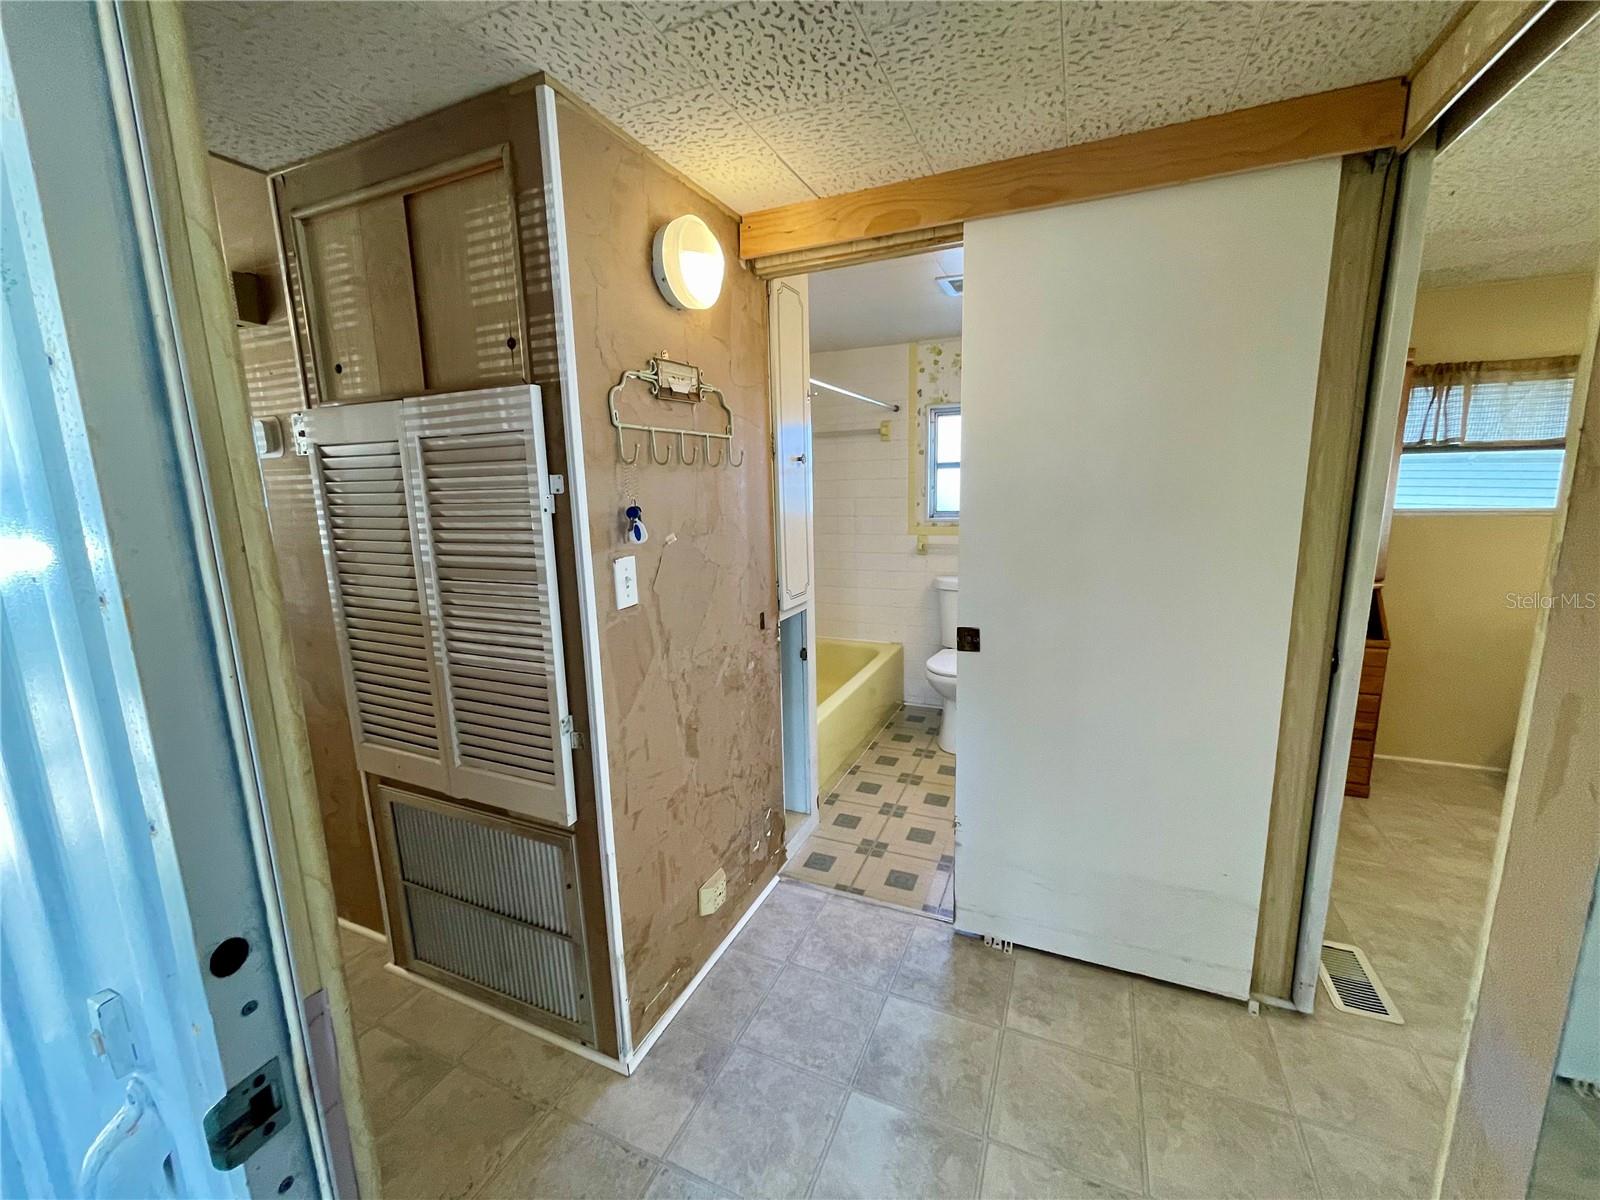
945, 589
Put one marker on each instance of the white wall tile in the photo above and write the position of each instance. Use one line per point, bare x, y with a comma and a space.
872, 585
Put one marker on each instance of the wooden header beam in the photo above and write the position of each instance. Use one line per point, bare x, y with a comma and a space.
1326, 125
1481, 34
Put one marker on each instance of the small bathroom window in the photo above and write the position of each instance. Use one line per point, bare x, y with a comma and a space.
944, 462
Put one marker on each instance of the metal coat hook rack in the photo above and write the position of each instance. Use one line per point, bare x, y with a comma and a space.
680, 383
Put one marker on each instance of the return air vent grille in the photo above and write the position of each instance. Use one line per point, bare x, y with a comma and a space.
490, 905
516, 960
486, 525
484, 865
375, 576
1353, 986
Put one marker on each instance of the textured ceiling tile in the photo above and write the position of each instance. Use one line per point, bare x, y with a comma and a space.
1519, 195
774, 58
669, 14
711, 144
987, 128
278, 82
840, 145
880, 14
945, 53
1305, 48
1132, 66
611, 54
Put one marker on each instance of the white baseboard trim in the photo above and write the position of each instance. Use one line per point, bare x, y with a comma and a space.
1439, 762
363, 931
803, 830
631, 1064
537, 1031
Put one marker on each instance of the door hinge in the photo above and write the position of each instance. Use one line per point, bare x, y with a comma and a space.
254, 1110
558, 485
572, 735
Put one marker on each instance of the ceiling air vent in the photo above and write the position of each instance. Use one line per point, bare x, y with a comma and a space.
950, 285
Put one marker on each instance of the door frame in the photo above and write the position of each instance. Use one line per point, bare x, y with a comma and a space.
176, 629
1384, 399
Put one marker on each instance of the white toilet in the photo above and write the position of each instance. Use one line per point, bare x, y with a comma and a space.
942, 666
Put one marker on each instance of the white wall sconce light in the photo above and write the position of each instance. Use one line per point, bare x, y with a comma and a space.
688, 263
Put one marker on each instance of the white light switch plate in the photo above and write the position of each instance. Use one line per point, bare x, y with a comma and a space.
625, 579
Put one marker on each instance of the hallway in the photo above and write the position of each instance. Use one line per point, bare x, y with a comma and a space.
845, 1048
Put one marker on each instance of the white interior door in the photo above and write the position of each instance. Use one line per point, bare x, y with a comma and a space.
1129, 535
791, 404
149, 1032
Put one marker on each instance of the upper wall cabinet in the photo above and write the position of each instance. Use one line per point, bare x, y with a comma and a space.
789, 329
412, 286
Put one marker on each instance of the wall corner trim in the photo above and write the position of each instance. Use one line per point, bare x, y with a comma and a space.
633, 1060
577, 495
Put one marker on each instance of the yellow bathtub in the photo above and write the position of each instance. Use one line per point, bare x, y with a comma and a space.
859, 685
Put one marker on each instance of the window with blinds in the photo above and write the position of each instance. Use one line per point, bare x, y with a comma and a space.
1485, 436
434, 515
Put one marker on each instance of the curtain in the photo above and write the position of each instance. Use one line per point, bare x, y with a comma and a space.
1520, 403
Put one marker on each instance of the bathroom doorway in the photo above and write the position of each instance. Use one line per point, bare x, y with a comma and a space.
884, 380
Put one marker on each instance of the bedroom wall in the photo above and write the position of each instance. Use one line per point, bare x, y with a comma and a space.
689, 675
1459, 651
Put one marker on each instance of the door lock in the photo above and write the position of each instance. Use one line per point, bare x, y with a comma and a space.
254, 1109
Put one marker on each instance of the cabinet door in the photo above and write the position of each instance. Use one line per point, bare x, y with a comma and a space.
790, 331
362, 301
385, 636
464, 261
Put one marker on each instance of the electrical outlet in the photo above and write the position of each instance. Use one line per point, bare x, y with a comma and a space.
714, 893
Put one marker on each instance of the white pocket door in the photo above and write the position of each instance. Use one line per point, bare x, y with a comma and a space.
435, 523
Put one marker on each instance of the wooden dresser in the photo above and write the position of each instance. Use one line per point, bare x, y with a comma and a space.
1358, 778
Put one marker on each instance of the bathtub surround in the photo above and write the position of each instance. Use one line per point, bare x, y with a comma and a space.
858, 689
872, 584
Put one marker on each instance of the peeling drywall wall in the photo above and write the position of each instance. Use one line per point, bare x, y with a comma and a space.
690, 675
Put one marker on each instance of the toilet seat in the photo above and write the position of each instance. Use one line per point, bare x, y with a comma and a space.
943, 663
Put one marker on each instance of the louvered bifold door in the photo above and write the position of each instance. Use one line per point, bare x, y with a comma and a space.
481, 496
391, 676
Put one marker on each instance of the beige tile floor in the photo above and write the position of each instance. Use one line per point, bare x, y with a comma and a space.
887, 825
843, 1048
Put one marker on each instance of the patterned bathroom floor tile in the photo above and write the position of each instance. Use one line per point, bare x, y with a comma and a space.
848, 821
926, 837
932, 799
898, 879
832, 864
865, 789
915, 720
888, 761
892, 738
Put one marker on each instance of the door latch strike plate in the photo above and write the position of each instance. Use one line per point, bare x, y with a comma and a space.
254, 1110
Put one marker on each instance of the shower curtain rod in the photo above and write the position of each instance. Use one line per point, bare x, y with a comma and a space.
855, 395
